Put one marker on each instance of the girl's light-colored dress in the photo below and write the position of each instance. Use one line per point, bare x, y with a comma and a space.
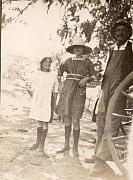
43, 85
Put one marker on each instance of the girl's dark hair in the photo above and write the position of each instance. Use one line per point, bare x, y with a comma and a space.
43, 60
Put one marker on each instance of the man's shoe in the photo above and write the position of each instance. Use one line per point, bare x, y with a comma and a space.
101, 167
90, 160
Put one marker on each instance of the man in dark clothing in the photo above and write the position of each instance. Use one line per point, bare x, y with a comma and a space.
119, 65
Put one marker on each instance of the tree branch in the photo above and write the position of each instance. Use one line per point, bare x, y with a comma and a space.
22, 10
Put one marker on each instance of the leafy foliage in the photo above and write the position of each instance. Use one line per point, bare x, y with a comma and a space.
104, 14
107, 16
87, 29
16, 11
72, 17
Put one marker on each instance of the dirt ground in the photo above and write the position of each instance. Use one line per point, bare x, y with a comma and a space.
18, 133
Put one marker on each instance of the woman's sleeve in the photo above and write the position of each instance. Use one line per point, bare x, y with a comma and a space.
91, 70
62, 68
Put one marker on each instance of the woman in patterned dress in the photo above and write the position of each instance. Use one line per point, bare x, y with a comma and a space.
80, 70
44, 86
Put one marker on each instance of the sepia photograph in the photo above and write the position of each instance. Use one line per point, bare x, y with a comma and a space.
66, 90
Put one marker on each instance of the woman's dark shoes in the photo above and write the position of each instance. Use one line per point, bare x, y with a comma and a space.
65, 149
75, 154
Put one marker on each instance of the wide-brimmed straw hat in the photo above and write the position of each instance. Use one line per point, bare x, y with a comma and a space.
124, 23
78, 42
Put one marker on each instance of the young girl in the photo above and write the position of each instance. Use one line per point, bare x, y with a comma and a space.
44, 87
80, 70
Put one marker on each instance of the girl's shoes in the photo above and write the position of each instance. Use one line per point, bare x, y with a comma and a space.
42, 153
34, 147
38, 140
75, 152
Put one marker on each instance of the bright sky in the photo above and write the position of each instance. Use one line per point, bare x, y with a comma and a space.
33, 38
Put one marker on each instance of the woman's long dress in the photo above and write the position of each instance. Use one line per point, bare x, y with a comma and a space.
72, 100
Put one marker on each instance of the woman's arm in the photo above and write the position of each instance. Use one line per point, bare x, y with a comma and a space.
90, 76
85, 80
